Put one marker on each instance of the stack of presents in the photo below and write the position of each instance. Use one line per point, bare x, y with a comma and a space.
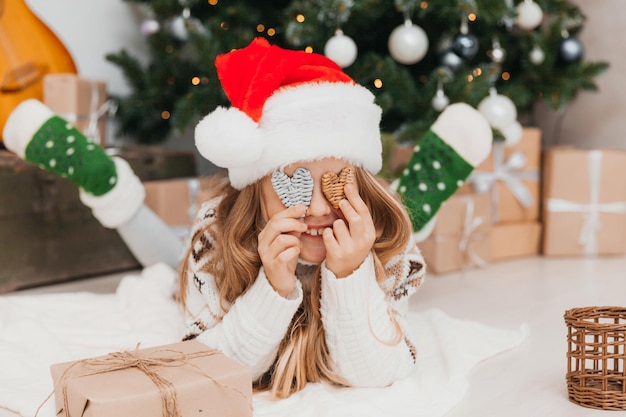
526, 201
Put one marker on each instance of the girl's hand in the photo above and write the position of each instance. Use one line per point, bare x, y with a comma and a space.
347, 245
279, 248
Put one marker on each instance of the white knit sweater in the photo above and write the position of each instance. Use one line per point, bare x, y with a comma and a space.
356, 313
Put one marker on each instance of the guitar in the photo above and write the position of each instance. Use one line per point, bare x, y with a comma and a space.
28, 51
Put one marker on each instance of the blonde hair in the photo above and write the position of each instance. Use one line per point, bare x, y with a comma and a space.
303, 354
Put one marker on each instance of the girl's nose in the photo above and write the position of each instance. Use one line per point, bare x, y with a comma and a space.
319, 206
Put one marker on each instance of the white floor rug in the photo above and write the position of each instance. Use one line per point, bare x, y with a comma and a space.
38, 330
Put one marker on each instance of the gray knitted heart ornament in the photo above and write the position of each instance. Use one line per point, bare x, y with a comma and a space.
297, 189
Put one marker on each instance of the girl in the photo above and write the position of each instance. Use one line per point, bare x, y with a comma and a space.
305, 292
301, 264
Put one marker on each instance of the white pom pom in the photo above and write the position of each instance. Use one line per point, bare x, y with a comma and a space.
466, 130
228, 138
22, 124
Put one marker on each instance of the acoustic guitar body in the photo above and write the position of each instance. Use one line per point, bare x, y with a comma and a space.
28, 51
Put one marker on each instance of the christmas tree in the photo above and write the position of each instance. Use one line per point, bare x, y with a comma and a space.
501, 56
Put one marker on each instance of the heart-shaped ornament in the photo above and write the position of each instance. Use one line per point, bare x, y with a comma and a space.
293, 190
333, 185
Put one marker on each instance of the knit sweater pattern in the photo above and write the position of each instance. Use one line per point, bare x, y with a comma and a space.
361, 317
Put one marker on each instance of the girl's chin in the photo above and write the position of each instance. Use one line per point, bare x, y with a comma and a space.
313, 255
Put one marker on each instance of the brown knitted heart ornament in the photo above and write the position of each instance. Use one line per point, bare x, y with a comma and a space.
333, 185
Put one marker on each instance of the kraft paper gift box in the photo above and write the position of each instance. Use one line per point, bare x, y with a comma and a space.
511, 175
584, 208
515, 240
181, 379
173, 200
81, 101
461, 237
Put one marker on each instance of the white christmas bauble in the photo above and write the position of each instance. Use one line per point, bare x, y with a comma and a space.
178, 27
499, 110
512, 133
408, 43
440, 101
529, 15
150, 27
537, 56
341, 49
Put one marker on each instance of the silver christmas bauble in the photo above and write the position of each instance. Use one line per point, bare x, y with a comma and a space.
440, 101
497, 55
178, 27
150, 27
537, 56
451, 60
408, 43
465, 45
498, 109
341, 49
571, 50
529, 15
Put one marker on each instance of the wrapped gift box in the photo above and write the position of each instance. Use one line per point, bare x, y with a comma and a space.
79, 100
461, 236
173, 200
188, 376
511, 175
515, 240
584, 207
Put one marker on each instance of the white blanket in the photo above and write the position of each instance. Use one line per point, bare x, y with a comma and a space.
39, 330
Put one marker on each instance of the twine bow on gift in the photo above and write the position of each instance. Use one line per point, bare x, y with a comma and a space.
470, 227
510, 173
95, 113
588, 236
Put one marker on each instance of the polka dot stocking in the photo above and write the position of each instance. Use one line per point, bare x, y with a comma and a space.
60, 148
434, 172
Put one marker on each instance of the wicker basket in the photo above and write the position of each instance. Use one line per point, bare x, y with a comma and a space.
596, 354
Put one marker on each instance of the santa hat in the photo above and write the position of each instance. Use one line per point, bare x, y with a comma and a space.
287, 106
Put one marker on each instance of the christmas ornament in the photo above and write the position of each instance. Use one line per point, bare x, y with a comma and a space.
451, 60
571, 50
408, 43
537, 56
512, 133
341, 49
180, 25
440, 101
499, 110
529, 15
150, 27
465, 45
497, 53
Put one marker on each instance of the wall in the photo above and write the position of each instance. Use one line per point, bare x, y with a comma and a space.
92, 28
595, 119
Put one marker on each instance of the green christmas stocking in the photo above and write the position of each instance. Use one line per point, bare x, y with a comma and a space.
458, 141
107, 185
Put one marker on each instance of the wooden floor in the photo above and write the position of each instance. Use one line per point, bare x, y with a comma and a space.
534, 293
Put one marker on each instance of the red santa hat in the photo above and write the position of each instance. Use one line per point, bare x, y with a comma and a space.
287, 106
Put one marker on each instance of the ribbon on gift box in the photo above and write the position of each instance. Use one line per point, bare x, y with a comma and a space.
95, 113
591, 211
510, 173
470, 226
469, 233
145, 363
